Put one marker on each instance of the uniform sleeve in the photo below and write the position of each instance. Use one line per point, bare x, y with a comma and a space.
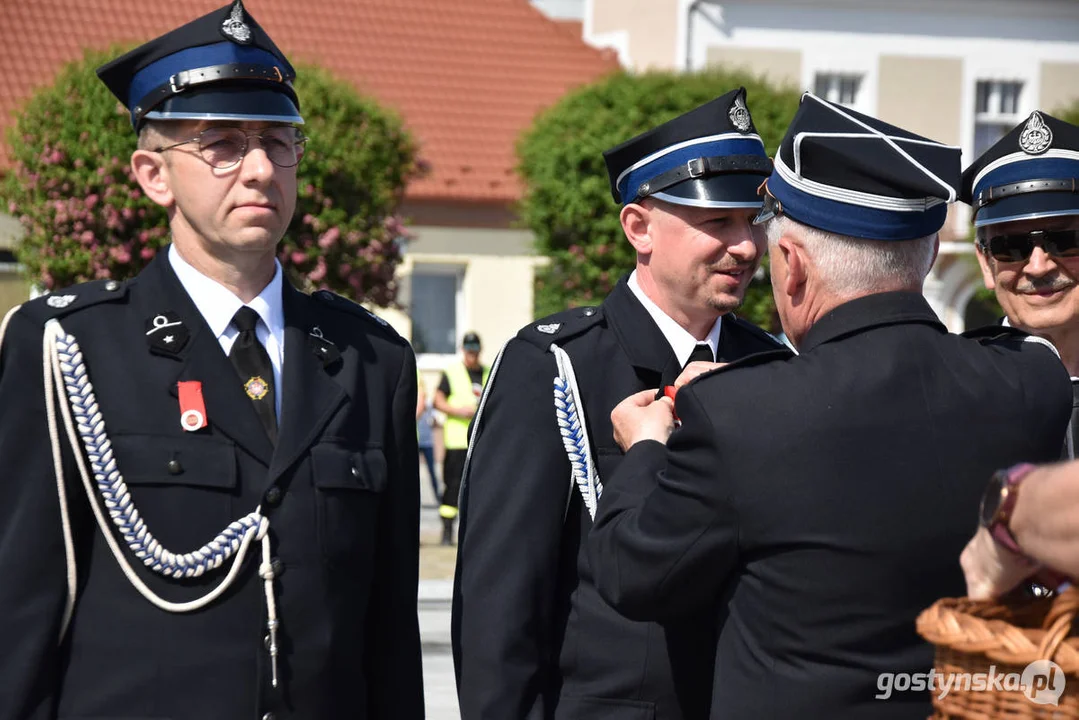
513, 508
33, 585
666, 532
392, 650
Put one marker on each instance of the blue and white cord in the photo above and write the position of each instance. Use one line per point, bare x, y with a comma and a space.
571, 425
64, 367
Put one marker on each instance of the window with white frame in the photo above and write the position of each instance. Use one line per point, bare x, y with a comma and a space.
996, 111
435, 293
839, 88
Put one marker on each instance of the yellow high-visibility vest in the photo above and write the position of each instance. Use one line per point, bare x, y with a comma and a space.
455, 431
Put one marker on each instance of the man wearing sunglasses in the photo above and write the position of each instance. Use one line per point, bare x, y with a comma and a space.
1024, 192
815, 503
210, 479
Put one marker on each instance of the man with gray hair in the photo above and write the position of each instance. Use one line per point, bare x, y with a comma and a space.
815, 503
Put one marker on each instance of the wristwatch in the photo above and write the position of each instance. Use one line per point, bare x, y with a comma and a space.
998, 503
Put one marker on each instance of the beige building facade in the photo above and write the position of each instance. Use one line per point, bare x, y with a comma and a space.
465, 269
961, 72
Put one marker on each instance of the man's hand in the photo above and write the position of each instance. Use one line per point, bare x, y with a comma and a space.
695, 368
642, 417
991, 569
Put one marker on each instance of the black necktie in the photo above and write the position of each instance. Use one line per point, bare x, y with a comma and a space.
702, 352
253, 365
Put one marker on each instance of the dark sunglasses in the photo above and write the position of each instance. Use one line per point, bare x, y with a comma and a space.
1019, 246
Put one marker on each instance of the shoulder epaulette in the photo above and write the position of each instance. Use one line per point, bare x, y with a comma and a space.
759, 358
72, 299
759, 333
343, 304
561, 326
995, 332
1007, 335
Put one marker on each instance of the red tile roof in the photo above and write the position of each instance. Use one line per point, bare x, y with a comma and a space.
467, 76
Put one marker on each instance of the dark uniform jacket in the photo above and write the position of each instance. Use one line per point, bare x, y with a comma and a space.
340, 491
531, 637
816, 504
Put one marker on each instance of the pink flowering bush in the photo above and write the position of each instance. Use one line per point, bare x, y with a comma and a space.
71, 187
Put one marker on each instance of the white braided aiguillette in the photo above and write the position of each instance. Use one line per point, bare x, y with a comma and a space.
575, 441
91, 428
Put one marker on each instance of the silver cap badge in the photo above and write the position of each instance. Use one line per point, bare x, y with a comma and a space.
739, 115
234, 27
1036, 136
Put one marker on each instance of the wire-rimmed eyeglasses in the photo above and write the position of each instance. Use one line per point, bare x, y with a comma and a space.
225, 147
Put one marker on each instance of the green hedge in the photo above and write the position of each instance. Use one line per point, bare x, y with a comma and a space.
85, 216
567, 202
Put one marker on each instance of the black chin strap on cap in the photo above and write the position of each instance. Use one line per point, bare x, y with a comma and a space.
705, 167
992, 194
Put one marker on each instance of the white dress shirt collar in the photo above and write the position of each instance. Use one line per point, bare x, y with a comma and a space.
680, 340
217, 304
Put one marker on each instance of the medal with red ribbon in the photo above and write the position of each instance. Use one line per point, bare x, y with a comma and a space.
192, 406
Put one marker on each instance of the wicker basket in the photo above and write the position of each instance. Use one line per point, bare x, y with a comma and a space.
973, 637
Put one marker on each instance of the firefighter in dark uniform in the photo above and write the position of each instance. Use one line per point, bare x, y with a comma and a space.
1024, 192
531, 637
210, 486
816, 503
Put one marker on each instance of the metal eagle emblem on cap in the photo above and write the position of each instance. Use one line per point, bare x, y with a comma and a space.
739, 115
234, 27
1036, 136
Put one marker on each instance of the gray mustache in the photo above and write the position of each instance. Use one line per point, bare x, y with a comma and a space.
1053, 283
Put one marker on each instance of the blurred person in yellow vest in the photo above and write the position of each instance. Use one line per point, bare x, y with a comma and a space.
458, 396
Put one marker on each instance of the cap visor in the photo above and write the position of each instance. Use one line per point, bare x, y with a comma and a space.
737, 190
1029, 206
225, 102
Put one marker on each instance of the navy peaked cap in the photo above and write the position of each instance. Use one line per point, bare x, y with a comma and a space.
222, 66
711, 156
847, 173
1032, 172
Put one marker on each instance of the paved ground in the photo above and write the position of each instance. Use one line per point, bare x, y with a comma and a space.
439, 687
436, 584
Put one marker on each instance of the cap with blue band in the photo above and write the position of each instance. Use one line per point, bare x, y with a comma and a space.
846, 173
1030, 173
221, 66
708, 157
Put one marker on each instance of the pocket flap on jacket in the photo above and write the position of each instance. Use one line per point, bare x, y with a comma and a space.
340, 468
183, 460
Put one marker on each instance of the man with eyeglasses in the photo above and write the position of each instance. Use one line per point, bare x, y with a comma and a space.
1024, 192
210, 479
